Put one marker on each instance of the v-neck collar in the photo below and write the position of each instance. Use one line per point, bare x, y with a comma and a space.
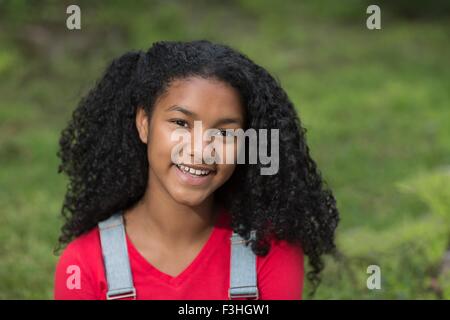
193, 265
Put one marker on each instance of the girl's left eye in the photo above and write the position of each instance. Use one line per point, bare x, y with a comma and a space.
225, 133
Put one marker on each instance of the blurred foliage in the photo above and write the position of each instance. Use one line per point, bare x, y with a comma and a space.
434, 189
375, 104
413, 255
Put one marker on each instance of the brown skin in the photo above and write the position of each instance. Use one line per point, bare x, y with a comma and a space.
173, 220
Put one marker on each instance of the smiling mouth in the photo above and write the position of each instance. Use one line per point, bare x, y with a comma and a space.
193, 171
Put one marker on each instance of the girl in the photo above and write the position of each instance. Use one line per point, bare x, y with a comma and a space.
162, 229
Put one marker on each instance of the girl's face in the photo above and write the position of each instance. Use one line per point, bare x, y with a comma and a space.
218, 106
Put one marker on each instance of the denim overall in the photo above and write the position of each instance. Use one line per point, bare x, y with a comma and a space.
243, 281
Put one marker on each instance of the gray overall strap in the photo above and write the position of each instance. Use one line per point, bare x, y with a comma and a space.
243, 281
115, 258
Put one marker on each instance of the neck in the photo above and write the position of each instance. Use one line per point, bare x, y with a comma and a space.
177, 224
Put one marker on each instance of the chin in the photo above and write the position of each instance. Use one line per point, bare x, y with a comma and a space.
191, 199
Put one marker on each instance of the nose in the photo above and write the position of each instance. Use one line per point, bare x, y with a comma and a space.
198, 146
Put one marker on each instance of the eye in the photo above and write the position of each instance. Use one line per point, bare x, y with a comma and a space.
180, 122
225, 133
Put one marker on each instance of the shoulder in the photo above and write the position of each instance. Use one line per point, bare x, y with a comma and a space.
282, 252
83, 248
82, 258
281, 271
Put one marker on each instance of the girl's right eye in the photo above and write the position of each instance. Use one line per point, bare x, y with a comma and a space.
180, 122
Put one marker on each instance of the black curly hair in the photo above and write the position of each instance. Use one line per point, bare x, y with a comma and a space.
107, 164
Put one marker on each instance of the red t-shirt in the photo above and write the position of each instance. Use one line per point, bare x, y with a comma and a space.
279, 273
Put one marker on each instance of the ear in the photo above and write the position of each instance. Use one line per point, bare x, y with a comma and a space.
142, 124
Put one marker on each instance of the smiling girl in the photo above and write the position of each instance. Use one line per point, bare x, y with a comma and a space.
140, 225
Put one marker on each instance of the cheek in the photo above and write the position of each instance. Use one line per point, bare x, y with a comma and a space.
225, 172
160, 146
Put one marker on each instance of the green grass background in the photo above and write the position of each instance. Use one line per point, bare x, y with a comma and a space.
375, 103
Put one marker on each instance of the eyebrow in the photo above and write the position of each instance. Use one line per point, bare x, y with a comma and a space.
182, 110
189, 113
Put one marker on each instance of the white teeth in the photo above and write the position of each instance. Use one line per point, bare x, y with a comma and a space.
193, 171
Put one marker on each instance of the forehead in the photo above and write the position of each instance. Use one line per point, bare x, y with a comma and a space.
203, 96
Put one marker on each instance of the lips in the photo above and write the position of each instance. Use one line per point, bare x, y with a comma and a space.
193, 176
194, 171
